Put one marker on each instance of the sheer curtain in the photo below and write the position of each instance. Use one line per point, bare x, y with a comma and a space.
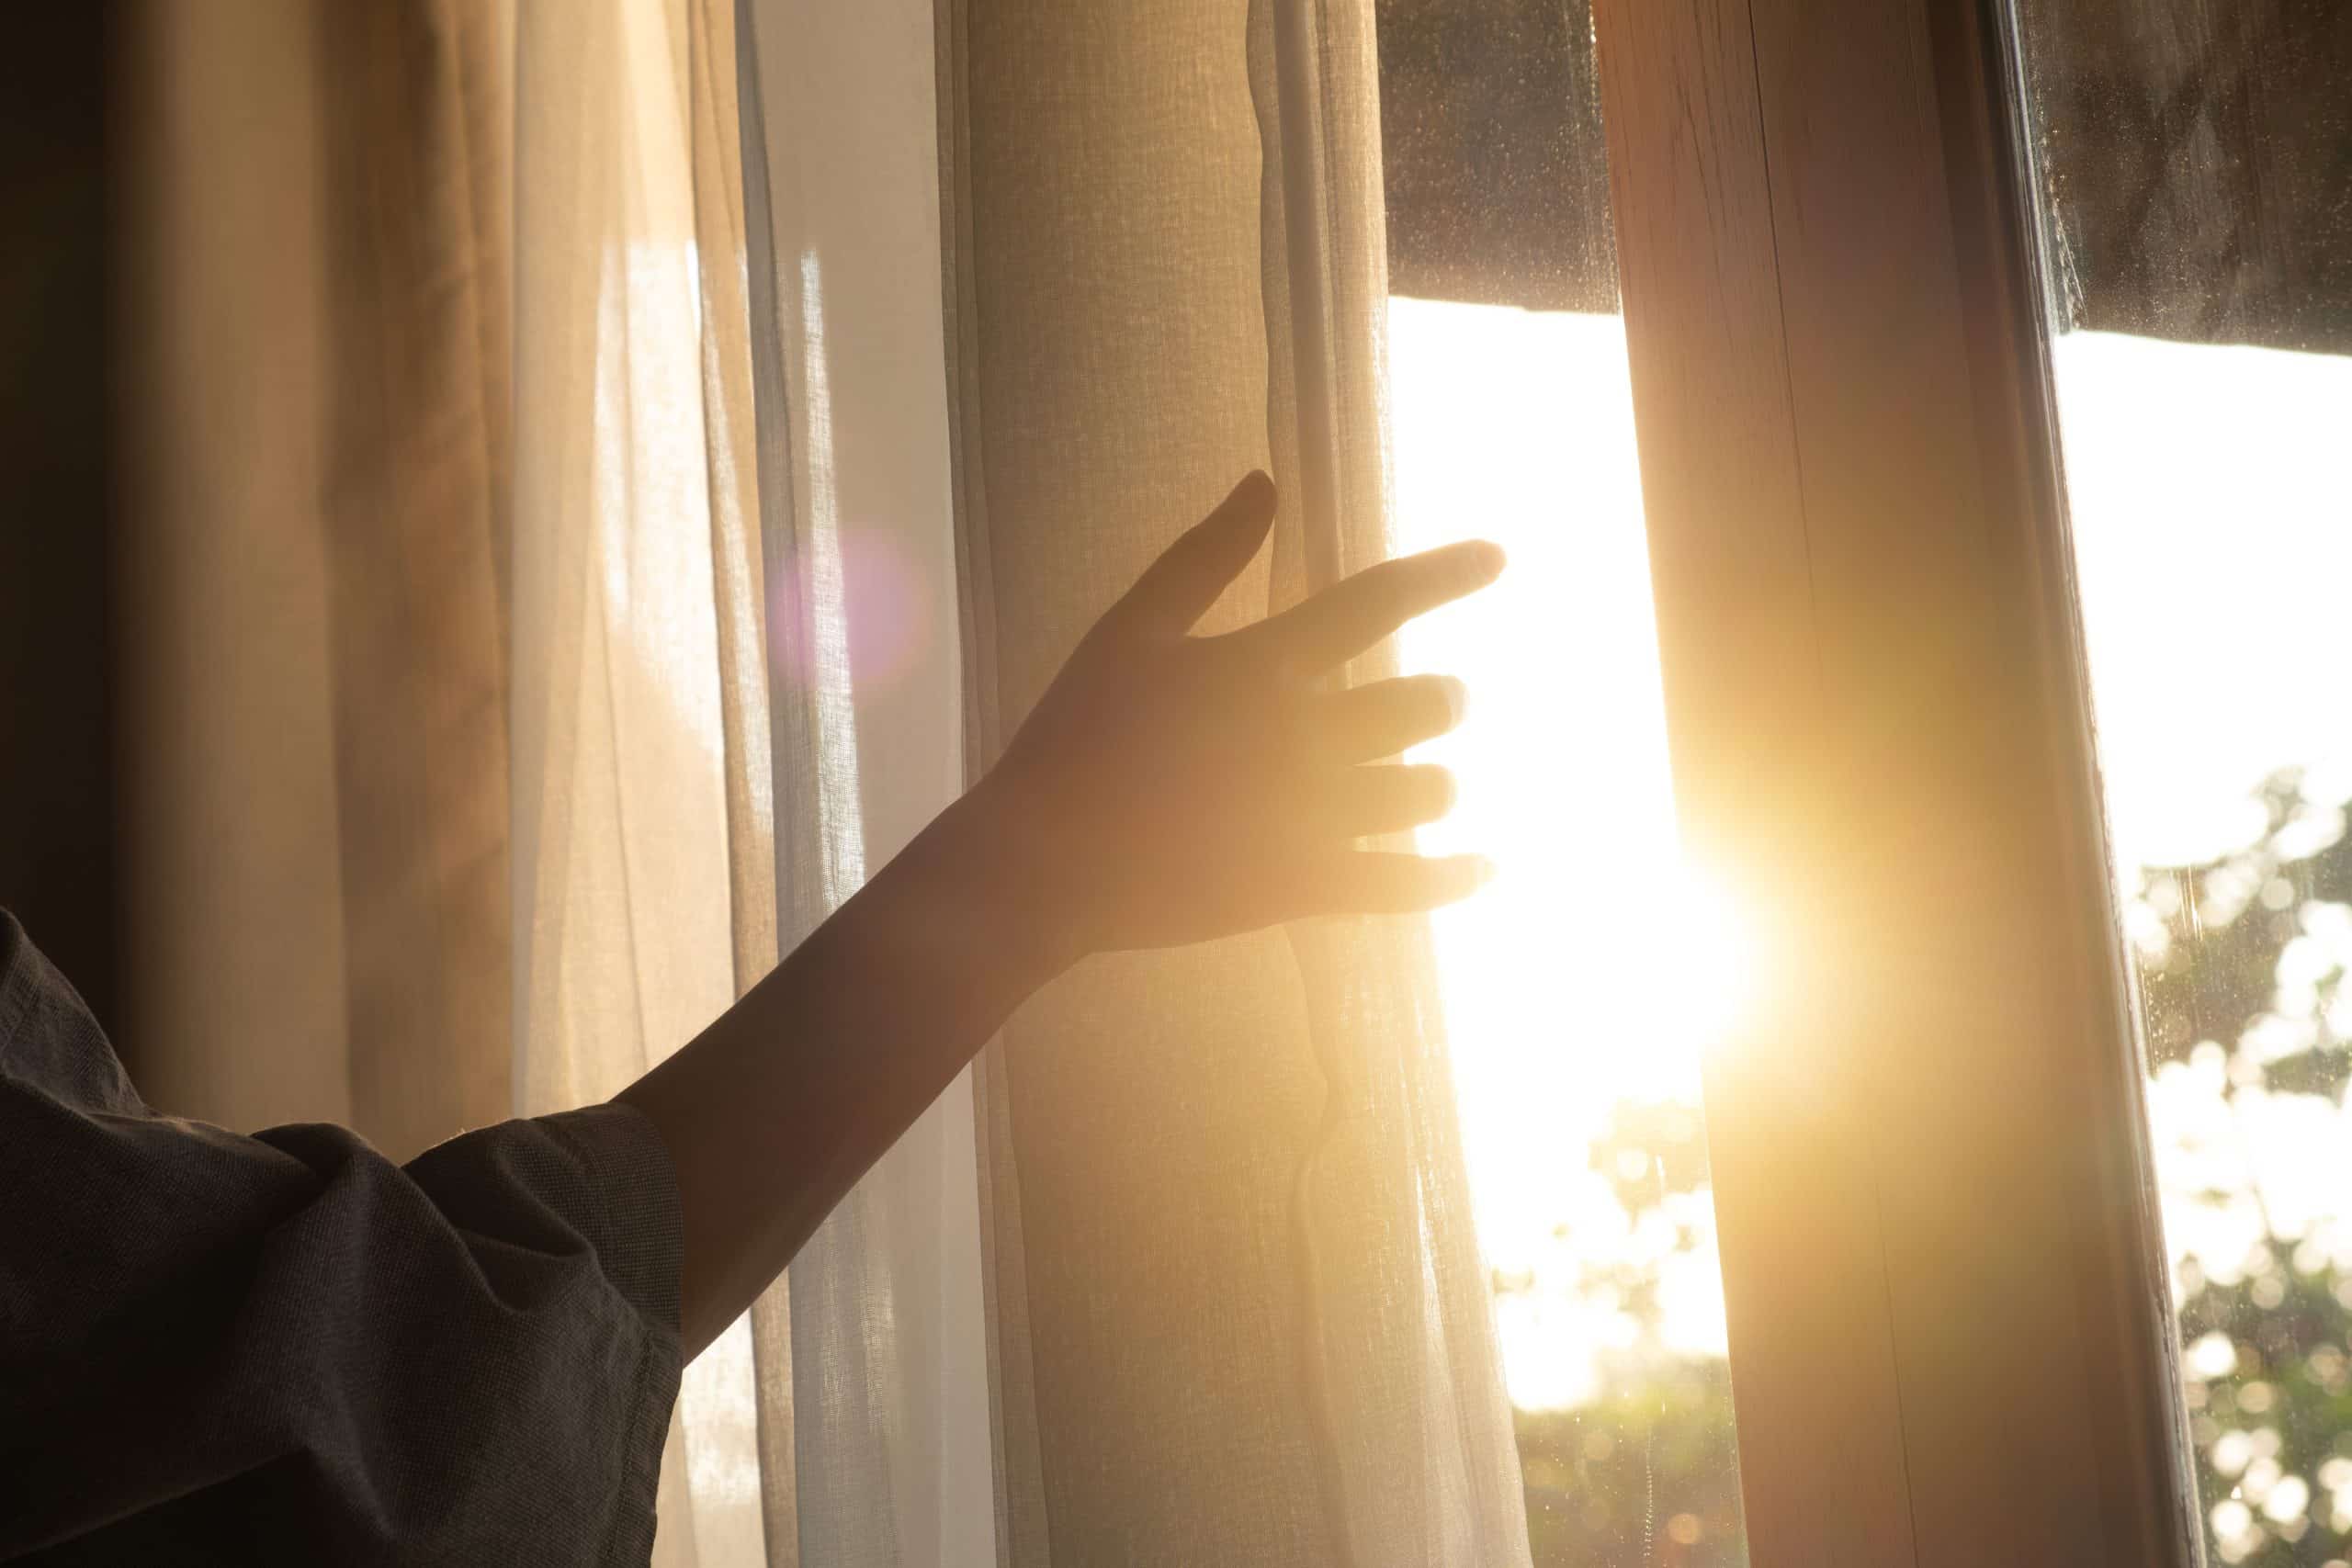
877, 1367
643, 817
448, 754
613, 469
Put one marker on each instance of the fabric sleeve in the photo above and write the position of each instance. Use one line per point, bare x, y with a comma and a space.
285, 1347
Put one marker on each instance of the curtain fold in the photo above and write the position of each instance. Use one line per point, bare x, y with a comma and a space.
642, 824
872, 1354
233, 927
413, 498
315, 694
1237, 1310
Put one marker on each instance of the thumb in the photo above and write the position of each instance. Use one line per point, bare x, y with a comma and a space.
1177, 589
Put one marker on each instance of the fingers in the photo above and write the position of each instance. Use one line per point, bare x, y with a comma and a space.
1381, 719
1363, 802
1177, 589
1367, 883
1356, 611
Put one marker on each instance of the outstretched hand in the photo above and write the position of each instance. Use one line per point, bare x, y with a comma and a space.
1166, 788
1169, 788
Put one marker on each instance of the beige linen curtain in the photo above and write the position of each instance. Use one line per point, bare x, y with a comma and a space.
642, 823
315, 747
1237, 1310
447, 758
609, 469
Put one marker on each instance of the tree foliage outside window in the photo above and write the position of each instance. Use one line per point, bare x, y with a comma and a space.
2242, 965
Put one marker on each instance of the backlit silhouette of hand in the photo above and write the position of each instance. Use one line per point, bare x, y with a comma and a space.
1169, 788
1166, 788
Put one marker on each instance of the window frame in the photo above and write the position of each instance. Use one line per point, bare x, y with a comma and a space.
1950, 1324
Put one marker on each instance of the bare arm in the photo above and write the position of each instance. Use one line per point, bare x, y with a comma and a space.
1167, 789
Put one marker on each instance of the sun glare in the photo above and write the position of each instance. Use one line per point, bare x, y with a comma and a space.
2209, 489
1589, 978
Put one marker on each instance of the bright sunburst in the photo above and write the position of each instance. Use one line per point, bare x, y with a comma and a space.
1595, 968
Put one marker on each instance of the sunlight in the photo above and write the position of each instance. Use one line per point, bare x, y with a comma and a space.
2211, 489
1596, 969
811, 609
2210, 493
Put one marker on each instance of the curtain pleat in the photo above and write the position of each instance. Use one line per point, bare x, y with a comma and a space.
234, 999
413, 502
1016, 1464
313, 651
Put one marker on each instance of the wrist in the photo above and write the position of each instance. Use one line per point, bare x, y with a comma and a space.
985, 881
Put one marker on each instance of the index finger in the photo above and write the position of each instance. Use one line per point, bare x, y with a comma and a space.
1356, 611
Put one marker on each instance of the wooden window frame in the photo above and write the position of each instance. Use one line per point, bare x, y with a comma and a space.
1950, 1333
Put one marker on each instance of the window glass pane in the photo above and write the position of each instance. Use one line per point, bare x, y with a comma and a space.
2195, 176
1579, 988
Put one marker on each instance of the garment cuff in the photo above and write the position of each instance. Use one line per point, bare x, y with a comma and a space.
637, 1233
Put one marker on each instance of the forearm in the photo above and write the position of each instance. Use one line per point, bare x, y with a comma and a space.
772, 1113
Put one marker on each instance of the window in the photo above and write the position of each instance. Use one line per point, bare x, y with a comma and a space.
1939, 1248
2194, 181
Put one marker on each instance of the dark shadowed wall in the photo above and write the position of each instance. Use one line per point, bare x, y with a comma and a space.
57, 863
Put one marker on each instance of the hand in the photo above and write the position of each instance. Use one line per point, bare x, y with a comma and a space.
1166, 788
1169, 788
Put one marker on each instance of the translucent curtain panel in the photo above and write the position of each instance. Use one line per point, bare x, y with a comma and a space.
642, 823
1234, 1310
872, 1368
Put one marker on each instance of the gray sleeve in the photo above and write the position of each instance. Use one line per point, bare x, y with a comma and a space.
286, 1348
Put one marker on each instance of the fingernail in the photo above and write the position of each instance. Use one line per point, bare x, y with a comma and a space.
1482, 870
1490, 559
